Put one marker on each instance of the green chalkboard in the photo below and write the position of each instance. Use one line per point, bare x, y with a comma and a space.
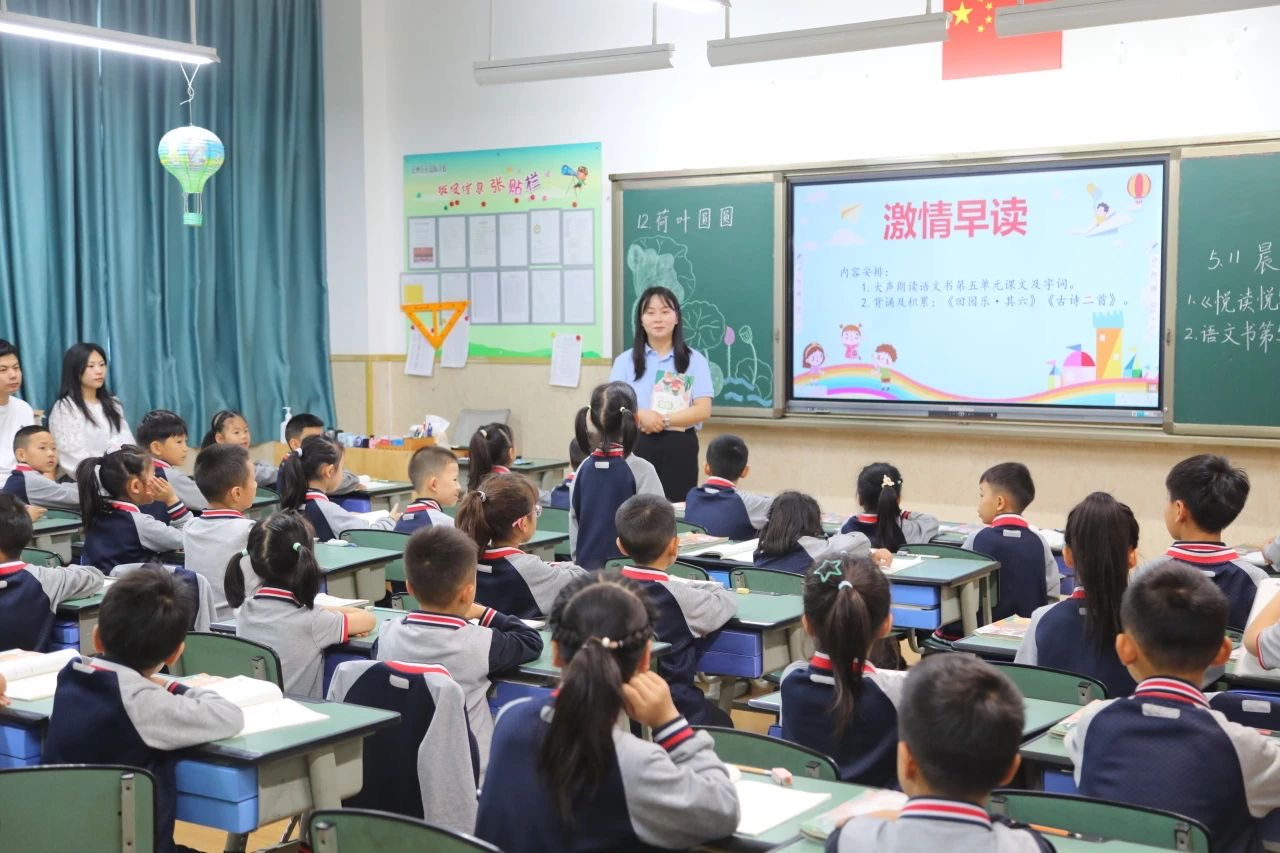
1226, 320
714, 245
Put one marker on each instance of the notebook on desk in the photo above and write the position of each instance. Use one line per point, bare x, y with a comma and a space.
264, 706
33, 675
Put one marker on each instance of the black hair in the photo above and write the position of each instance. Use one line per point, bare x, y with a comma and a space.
74, 361
1013, 479
1176, 615
727, 457
612, 416
15, 526
846, 600
22, 436
144, 617
428, 462
880, 491
962, 720
601, 624
488, 513
438, 561
792, 515
576, 454
220, 468
646, 525
1211, 489
1101, 533
678, 346
111, 474
7, 348
160, 425
217, 424
490, 445
303, 421
301, 466
282, 552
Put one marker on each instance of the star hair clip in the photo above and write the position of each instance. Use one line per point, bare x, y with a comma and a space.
828, 570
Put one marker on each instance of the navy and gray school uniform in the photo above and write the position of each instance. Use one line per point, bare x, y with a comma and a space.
183, 486
1271, 551
558, 498
519, 584
1028, 570
1165, 748
1269, 647
330, 520
718, 506
128, 535
210, 542
1235, 577
935, 823
1058, 637
35, 489
687, 610
423, 512
605, 480
107, 713
867, 751
917, 527
808, 548
470, 652
350, 482
265, 474
669, 793
298, 635
29, 596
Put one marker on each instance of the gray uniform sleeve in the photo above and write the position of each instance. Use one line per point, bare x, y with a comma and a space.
890, 682
265, 474
186, 490
545, 580
854, 544
328, 627
647, 482
1027, 652
342, 520
345, 675
41, 491
573, 519
350, 483
157, 535
166, 720
1259, 757
968, 540
758, 507
706, 605
1052, 580
61, 584
919, 527
1269, 647
445, 772
1074, 741
1257, 573
207, 607
1271, 551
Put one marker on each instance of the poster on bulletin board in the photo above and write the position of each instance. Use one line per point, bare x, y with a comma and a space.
516, 233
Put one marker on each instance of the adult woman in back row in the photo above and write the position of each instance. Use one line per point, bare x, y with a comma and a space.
85, 419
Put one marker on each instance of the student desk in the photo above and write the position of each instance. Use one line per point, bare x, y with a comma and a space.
263, 505
537, 471
354, 571
73, 624
544, 543
989, 647
377, 495
55, 532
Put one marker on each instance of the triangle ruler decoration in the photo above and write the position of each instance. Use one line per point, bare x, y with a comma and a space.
436, 331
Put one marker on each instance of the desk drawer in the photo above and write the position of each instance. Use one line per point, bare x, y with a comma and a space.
916, 617
732, 652
8, 762
916, 595
21, 743
221, 814
66, 633
216, 781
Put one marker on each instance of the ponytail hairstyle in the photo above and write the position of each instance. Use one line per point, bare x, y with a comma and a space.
879, 490
74, 362
218, 424
303, 465
490, 445
846, 600
611, 417
678, 346
792, 515
1101, 533
100, 479
602, 625
282, 551
488, 513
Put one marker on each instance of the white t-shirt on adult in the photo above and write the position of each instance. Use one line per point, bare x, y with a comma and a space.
79, 438
14, 415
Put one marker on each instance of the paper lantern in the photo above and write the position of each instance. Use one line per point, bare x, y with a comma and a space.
191, 154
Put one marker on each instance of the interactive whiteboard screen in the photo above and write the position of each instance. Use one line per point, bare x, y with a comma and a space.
1027, 292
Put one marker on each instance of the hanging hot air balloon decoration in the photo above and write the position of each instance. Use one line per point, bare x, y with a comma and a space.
191, 154
1139, 187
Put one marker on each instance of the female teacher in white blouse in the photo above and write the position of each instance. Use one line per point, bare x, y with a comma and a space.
668, 440
86, 420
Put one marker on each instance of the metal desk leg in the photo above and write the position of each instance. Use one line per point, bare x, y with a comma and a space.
237, 842
985, 594
969, 607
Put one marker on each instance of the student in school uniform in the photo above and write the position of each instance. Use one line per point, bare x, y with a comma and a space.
115, 531
14, 412
565, 776
717, 504
32, 480
163, 434
1163, 747
434, 474
1078, 634
1262, 637
882, 520
86, 420
960, 726
282, 613
116, 709
558, 498
440, 572
230, 427
307, 479
224, 474
298, 429
492, 451
793, 537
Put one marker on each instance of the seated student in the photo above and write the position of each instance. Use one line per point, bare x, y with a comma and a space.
1078, 634
29, 595
440, 572
163, 434
1163, 747
882, 520
717, 504
115, 709
225, 475
838, 703
15, 413
558, 498
434, 474
297, 430
491, 451
309, 476
1262, 637
687, 610
1205, 496
282, 613
565, 776
960, 725
34, 476
793, 537
501, 516
115, 531
230, 427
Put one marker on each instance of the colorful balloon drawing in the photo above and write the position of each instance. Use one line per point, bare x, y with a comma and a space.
1139, 187
192, 155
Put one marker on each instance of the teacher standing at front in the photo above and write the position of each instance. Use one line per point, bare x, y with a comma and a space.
673, 388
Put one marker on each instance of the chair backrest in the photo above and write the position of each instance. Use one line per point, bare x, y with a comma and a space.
554, 520
41, 557
939, 550
387, 539
470, 420
228, 656
735, 746
114, 808
1259, 709
405, 601
361, 830
688, 572
1053, 685
767, 580
1135, 824
689, 527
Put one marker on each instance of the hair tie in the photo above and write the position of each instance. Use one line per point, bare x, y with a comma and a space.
298, 450
611, 645
623, 410
484, 433
297, 546
244, 552
483, 496
845, 585
828, 569
887, 482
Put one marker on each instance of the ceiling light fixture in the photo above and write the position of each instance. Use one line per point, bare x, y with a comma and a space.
82, 35
1051, 17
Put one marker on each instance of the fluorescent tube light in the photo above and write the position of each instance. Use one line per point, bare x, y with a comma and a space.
870, 35
622, 60
66, 32
697, 5
1058, 15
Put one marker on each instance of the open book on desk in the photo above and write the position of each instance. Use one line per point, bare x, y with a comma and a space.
739, 552
265, 708
33, 675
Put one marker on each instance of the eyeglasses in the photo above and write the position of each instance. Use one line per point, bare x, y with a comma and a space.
537, 513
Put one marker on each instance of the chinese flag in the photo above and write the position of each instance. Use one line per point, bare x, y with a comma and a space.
972, 49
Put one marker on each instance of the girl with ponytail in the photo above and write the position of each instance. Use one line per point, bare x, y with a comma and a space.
230, 427
116, 531
838, 703
308, 475
882, 519
564, 775
792, 537
492, 449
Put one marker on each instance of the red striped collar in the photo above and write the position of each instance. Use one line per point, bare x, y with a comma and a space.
822, 661
277, 594
1078, 592
608, 450
719, 483
1173, 689
12, 568
569, 477
161, 464
422, 505
499, 553
1009, 519
317, 495
417, 668
123, 506
867, 517
22, 467
935, 808
222, 513
501, 469
435, 620
644, 574
1202, 553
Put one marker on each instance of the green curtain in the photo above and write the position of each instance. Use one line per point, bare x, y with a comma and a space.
232, 314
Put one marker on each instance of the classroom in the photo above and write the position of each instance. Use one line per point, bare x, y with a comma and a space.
887, 384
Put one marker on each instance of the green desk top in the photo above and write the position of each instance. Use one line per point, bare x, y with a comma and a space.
764, 610
789, 831
547, 537
51, 523
262, 499
1002, 648
74, 606
944, 571
381, 488
526, 464
1046, 749
338, 558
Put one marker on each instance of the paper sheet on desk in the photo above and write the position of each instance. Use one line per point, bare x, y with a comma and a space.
764, 805
1256, 558
739, 552
1248, 664
900, 563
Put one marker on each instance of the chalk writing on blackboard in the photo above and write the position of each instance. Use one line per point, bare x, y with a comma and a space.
1235, 313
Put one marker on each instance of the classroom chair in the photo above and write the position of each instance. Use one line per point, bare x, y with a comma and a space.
1053, 685
676, 570
767, 580
1073, 813
41, 557
404, 601
361, 830
386, 539
555, 520
228, 656
735, 746
1258, 709
114, 808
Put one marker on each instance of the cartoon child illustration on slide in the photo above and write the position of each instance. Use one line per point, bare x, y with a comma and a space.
851, 337
814, 357
886, 355
578, 177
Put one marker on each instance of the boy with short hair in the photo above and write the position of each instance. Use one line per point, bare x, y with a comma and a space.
115, 709
302, 426
440, 572
558, 498
1163, 747
687, 610
225, 476
163, 434
14, 413
34, 477
434, 474
717, 504
960, 726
